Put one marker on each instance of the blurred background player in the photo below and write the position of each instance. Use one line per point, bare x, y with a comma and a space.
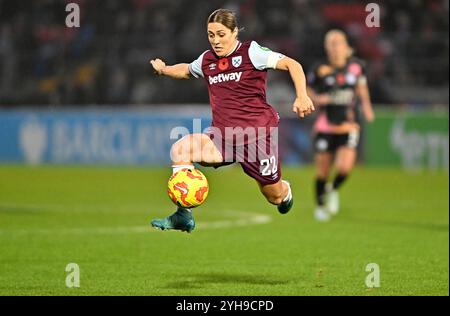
236, 74
336, 87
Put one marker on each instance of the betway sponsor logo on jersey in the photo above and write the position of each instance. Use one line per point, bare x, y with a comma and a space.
234, 76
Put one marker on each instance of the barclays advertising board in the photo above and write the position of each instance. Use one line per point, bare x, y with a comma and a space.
94, 137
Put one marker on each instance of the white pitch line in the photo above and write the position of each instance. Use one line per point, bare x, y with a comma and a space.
64, 208
242, 219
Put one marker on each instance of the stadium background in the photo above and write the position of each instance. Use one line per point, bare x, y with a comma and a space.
87, 95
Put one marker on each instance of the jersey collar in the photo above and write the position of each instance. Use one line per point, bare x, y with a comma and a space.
236, 47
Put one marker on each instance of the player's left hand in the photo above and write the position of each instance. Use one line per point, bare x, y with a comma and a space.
303, 106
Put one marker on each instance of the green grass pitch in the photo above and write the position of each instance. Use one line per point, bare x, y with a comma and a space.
98, 218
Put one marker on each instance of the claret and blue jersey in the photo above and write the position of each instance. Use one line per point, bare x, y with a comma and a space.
237, 85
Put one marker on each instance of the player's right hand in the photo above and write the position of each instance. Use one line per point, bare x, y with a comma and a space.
303, 106
158, 65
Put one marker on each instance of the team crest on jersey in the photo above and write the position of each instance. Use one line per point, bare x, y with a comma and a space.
236, 61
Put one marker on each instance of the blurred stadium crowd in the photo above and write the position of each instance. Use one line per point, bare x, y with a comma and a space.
105, 61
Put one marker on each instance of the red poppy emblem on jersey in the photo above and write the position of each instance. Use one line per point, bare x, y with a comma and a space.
340, 78
223, 64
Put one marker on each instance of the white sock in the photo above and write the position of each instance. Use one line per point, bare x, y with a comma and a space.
289, 195
176, 168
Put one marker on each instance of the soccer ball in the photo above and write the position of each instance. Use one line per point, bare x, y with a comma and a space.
188, 188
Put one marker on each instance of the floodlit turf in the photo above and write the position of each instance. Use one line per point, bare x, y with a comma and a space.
98, 218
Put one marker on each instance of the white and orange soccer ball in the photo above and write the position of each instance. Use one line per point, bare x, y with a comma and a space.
188, 188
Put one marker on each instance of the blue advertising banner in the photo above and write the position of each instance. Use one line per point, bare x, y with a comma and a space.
94, 137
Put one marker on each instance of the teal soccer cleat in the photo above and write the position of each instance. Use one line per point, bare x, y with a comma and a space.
285, 207
180, 220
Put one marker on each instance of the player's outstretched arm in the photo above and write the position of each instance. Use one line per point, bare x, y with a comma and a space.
303, 105
178, 71
363, 91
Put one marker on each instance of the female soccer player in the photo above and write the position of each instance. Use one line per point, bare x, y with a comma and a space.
336, 87
244, 125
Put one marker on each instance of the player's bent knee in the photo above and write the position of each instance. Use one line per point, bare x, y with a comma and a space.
175, 152
180, 151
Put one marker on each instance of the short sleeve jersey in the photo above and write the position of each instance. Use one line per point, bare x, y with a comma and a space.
237, 85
